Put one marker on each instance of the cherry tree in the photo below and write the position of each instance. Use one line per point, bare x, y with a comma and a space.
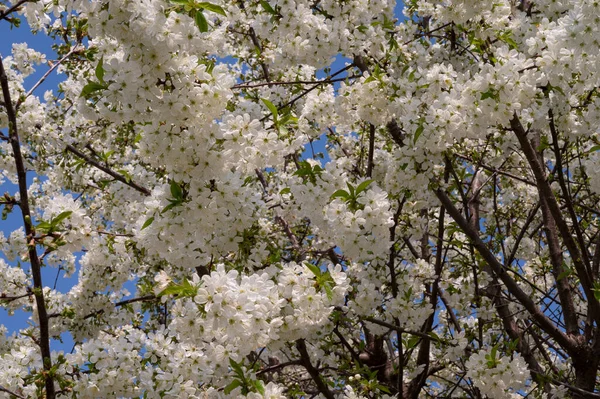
419, 220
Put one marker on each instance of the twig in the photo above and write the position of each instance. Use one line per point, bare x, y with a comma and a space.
43, 78
108, 171
15, 7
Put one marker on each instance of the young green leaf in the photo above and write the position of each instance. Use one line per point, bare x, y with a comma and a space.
99, 72
267, 7
340, 194
148, 222
232, 385
212, 7
60, 217
272, 108
201, 21
176, 191
363, 186
92, 87
418, 132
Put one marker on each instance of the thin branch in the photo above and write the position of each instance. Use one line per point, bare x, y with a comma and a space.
243, 86
43, 78
371, 149
108, 171
8, 391
583, 270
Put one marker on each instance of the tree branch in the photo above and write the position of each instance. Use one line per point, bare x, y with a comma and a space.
312, 370
545, 192
108, 171
499, 270
36, 267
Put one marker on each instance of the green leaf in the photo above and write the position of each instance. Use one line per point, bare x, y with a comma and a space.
412, 342
201, 21
313, 268
99, 72
92, 87
363, 186
237, 368
181, 2
176, 191
351, 190
340, 194
148, 222
259, 386
362, 28
491, 93
212, 7
185, 289
43, 226
272, 108
418, 132
169, 207
594, 148
267, 7
233, 385
60, 217
285, 190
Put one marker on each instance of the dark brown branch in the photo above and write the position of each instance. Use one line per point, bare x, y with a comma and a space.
498, 171
279, 366
545, 192
108, 171
8, 391
566, 194
12, 9
305, 92
565, 292
499, 270
145, 298
399, 329
36, 267
371, 150
243, 86
312, 370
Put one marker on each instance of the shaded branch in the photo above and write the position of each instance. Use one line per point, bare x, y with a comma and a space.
312, 370
499, 270
108, 171
36, 266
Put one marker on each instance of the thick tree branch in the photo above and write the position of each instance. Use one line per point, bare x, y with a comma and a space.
546, 324
36, 266
312, 370
546, 193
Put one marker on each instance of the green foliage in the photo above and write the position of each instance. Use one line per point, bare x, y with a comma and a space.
351, 196
183, 290
323, 279
240, 380
54, 223
196, 10
308, 172
179, 196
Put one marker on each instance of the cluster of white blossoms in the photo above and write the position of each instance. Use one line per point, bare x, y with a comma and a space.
497, 377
